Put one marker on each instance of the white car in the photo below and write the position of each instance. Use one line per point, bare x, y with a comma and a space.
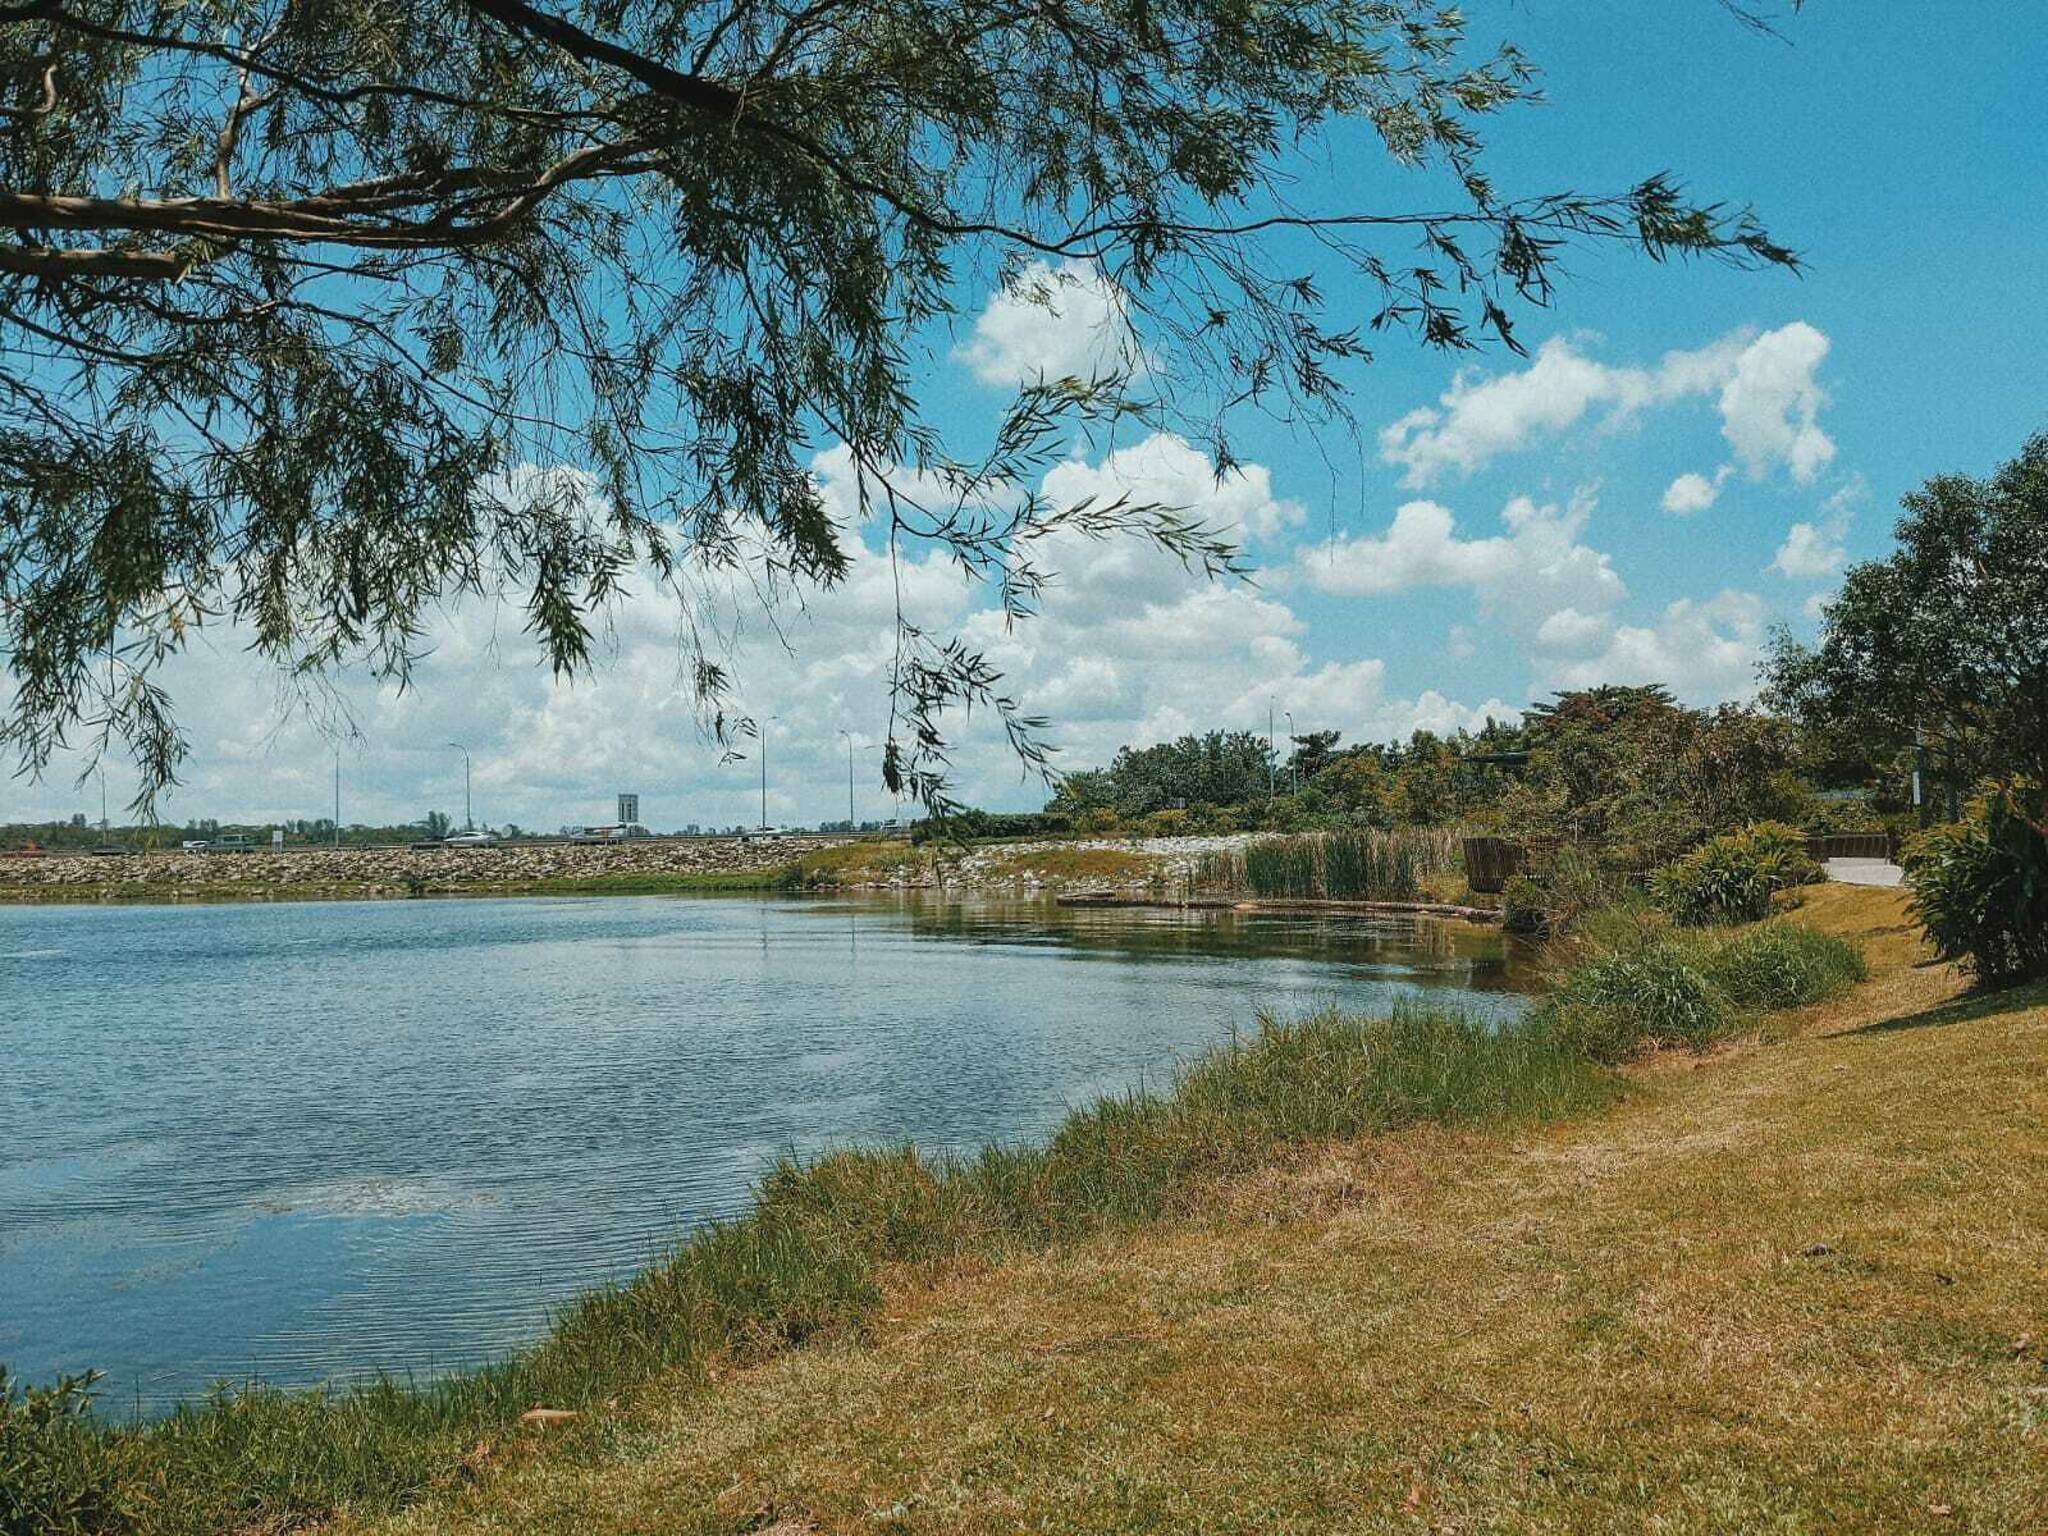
765, 834
470, 840
193, 845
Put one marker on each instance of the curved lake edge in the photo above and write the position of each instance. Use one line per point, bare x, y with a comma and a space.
300, 1141
809, 1259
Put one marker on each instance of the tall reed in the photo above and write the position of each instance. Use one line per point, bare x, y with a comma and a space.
1345, 865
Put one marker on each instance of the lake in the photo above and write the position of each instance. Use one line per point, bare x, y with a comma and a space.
306, 1141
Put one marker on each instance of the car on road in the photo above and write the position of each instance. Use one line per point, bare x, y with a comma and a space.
470, 840
628, 832
765, 834
232, 842
193, 845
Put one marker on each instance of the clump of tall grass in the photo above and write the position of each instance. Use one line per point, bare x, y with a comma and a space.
804, 1263
1346, 865
1637, 986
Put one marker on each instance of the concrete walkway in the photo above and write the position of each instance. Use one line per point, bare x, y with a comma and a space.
1865, 872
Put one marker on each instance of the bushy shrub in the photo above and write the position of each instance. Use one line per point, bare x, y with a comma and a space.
1732, 878
1557, 891
1781, 965
1629, 1000
1642, 985
55, 1479
1980, 889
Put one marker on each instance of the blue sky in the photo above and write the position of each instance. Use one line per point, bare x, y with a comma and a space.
1896, 148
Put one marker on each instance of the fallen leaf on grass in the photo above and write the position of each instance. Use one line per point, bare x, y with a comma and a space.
541, 1418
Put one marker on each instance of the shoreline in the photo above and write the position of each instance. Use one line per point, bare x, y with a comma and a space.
828, 1244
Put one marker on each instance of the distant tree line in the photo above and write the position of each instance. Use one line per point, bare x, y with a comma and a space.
1627, 768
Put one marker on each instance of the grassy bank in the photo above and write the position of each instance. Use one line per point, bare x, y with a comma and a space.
828, 1258
1797, 1289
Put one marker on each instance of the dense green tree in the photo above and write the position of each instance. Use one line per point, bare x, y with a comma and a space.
1641, 778
320, 311
1944, 642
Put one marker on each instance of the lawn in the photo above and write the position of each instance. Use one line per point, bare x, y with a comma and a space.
1794, 1285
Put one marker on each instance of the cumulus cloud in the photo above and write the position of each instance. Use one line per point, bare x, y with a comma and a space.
1815, 550
1166, 468
1052, 322
1767, 395
1811, 551
1129, 647
1694, 492
1703, 650
1770, 405
1539, 565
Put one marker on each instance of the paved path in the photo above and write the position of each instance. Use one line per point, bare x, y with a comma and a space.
1865, 872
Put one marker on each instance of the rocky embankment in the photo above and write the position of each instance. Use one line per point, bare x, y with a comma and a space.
164, 876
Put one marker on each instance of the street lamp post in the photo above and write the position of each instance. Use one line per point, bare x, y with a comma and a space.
850, 823
762, 734
468, 825
1294, 757
1269, 748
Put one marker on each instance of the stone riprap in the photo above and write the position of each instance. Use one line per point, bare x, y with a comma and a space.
386, 871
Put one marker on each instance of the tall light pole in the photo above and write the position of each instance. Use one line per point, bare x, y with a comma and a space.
1294, 758
467, 824
1269, 748
337, 797
762, 734
850, 823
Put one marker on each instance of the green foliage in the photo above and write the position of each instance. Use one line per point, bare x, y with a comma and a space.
1943, 643
805, 1263
1637, 998
1557, 889
968, 824
1732, 878
1782, 965
1641, 778
1639, 986
56, 1476
1980, 888
1358, 865
1220, 768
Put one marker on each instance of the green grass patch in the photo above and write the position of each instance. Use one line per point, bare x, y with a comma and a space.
805, 1262
1638, 986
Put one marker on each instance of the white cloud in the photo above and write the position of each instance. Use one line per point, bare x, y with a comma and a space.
1693, 492
1568, 630
1703, 650
1052, 322
1810, 551
1523, 576
1129, 647
1815, 550
1165, 468
1768, 398
1770, 405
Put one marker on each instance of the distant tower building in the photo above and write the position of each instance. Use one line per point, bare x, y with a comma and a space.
629, 809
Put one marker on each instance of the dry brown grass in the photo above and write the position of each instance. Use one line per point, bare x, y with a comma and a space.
1797, 1286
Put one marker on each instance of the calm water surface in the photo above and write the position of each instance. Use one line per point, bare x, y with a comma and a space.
306, 1141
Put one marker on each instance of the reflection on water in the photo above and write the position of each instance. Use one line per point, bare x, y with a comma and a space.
310, 1140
